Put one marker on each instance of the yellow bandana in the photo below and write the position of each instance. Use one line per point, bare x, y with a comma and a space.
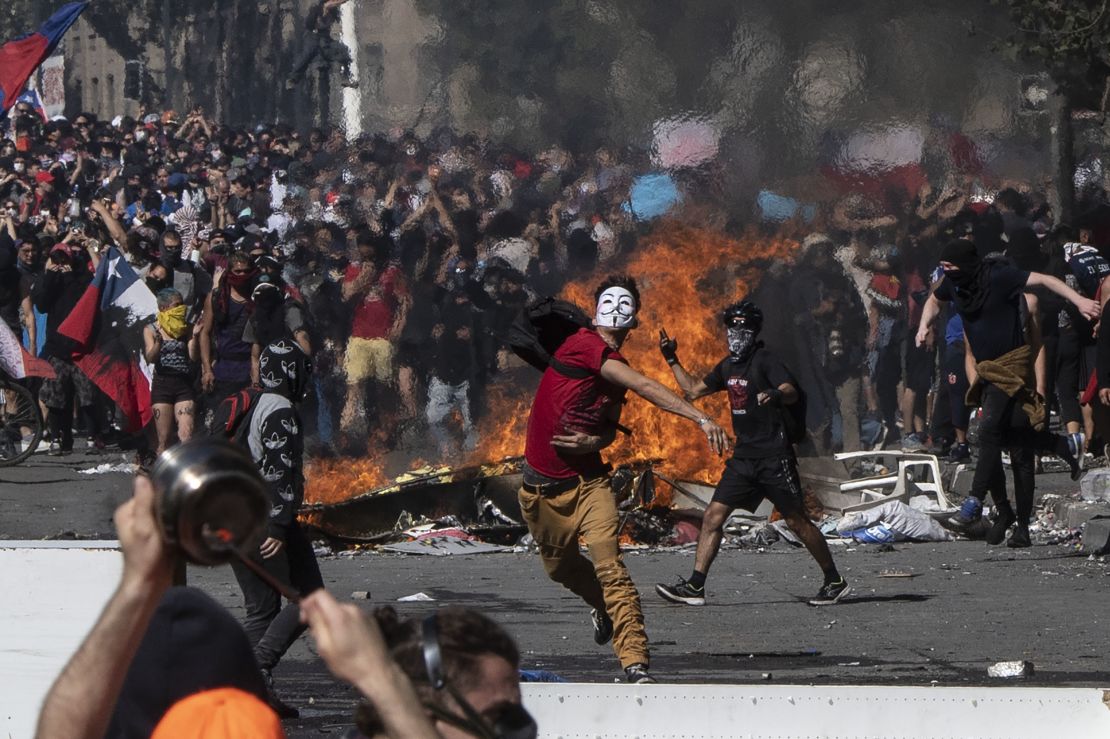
172, 321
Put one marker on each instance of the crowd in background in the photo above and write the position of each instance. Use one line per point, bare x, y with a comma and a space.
398, 261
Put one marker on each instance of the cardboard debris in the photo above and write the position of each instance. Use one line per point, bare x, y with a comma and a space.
442, 546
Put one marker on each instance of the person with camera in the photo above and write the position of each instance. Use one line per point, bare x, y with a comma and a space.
268, 425
763, 465
566, 493
56, 294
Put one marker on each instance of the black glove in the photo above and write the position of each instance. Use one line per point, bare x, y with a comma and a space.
774, 397
668, 347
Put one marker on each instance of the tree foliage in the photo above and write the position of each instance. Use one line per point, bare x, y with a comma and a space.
1070, 38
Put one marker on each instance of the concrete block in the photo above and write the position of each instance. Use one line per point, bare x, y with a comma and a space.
1073, 513
1096, 535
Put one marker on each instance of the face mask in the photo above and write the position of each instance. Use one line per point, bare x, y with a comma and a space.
172, 321
155, 285
242, 282
740, 342
18, 166
171, 257
616, 308
140, 136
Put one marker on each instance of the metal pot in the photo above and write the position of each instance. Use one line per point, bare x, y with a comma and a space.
210, 499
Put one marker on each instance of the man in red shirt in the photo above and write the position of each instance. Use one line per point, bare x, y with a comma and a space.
566, 492
376, 292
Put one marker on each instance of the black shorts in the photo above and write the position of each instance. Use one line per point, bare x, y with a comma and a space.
748, 482
172, 389
920, 366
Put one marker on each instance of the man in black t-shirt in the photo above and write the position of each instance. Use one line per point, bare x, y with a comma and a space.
763, 465
988, 297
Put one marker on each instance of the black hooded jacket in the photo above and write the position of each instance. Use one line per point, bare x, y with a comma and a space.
274, 436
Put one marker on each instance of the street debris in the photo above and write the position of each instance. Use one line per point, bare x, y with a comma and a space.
108, 468
420, 597
874, 498
1017, 668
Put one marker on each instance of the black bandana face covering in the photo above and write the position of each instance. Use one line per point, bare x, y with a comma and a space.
740, 342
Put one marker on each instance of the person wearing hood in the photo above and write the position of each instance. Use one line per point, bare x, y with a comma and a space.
988, 296
763, 465
272, 433
169, 344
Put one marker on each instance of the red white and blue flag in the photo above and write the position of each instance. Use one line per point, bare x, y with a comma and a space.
16, 361
20, 57
32, 98
107, 324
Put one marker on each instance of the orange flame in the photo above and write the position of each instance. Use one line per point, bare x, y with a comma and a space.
685, 275
336, 480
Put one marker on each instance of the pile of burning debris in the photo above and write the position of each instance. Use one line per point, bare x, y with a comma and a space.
868, 497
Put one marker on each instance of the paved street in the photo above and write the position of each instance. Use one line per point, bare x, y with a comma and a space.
965, 606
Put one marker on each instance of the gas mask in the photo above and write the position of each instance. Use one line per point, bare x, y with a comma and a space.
616, 308
513, 722
740, 341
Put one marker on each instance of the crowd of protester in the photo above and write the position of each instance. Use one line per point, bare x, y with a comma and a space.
397, 262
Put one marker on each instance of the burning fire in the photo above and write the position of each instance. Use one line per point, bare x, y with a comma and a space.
685, 275
336, 480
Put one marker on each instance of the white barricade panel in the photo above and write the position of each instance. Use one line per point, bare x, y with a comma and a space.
576, 710
54, 593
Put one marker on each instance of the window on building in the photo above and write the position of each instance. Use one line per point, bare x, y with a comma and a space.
133, 79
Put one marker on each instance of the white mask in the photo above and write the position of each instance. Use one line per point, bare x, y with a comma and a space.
616, 308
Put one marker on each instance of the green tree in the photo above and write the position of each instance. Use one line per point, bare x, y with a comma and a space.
1071, 40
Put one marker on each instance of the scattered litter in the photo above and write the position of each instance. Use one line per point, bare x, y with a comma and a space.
490, 513
847, 664
1017, 668
540, 676
897, 573
420, 597
766, 676
1095, 486
441, 546
108, 468
360, 595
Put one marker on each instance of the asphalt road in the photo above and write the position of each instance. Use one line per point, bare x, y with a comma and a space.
964, 606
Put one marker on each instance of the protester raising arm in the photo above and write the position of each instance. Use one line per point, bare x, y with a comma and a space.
80, 703
352, 647
115, 230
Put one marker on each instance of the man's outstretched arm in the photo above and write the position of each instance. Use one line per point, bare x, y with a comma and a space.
658, 395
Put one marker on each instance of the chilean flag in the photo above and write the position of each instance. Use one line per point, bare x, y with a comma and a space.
21, 57
17, 361
107, 323
32, 98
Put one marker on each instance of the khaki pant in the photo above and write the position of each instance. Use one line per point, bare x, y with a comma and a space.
589, 511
